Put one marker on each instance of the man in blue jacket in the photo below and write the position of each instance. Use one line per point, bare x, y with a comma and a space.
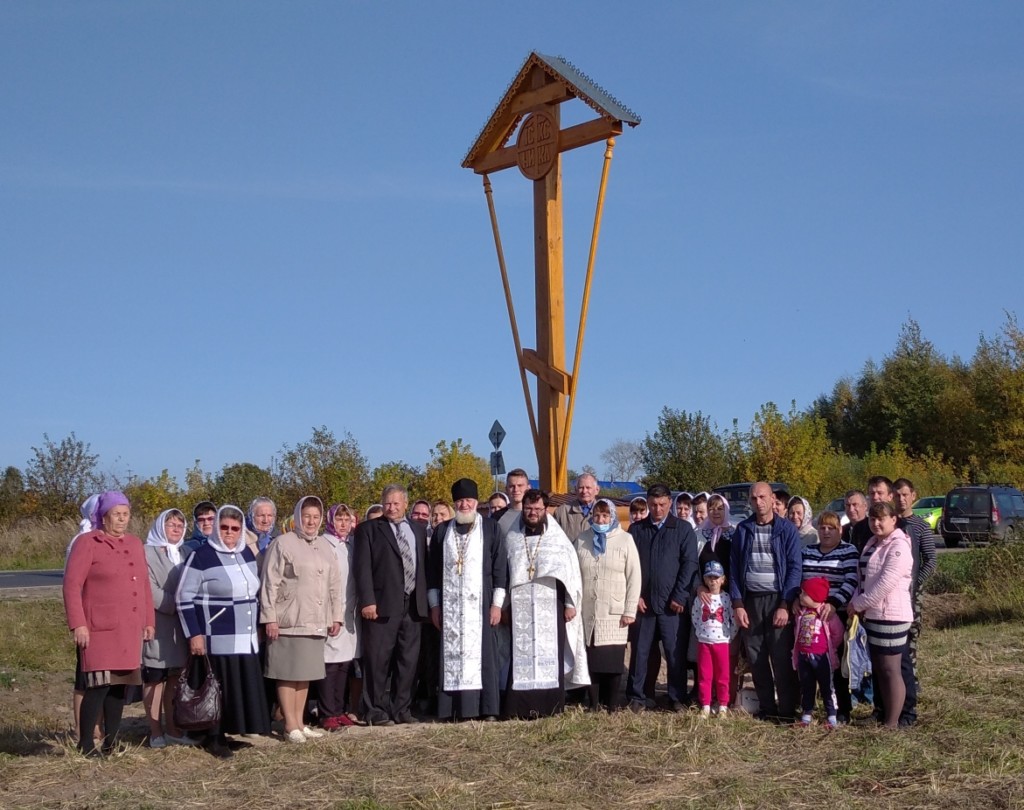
667, 548
766, 568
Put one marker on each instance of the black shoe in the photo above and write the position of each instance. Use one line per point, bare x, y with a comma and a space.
218, 747
678, 707
406, 719
637, 706
379, 720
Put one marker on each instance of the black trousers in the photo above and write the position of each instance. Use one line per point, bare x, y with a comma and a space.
391, 647
770, 652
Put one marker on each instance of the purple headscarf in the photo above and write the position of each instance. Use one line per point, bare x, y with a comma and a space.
107, 501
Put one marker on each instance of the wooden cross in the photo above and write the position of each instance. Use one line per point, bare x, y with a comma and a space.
534, 99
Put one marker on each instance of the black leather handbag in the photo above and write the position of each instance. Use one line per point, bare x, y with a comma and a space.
197, 709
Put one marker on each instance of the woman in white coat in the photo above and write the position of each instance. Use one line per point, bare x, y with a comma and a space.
340, 651
610, 567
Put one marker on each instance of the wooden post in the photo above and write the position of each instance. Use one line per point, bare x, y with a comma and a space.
550, 301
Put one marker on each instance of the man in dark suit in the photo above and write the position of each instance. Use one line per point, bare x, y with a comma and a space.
667, 547
390, 565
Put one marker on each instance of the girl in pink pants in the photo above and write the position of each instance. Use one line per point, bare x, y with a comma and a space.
714, 627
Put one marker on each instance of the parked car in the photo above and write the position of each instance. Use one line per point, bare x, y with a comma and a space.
930, 508
738, 496
980, 512
837, 505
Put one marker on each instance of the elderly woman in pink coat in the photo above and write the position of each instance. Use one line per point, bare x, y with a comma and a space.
109, 608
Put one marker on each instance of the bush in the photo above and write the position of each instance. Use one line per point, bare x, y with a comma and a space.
992, 578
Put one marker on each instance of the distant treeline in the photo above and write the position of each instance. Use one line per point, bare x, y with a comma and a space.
917, 414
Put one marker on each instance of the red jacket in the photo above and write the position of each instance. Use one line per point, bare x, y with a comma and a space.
106, 589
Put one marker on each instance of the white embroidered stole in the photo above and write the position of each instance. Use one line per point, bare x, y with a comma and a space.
535, 661
461, 610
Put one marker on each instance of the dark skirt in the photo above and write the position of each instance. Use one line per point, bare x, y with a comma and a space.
245, 708
607, 659
887, 637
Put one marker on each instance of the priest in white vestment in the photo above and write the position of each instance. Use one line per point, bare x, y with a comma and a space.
466, 578
545, 591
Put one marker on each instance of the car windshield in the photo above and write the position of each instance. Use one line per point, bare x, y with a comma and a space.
970, 503
929, 503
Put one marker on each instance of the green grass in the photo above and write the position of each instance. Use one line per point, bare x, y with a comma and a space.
965, 752
35, 636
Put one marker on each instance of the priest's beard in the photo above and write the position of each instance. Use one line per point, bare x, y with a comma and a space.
465, 518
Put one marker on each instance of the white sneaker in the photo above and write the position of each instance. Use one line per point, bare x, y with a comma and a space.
295, 736
723, 711
182, 740
157, 742
310, 733
705, 712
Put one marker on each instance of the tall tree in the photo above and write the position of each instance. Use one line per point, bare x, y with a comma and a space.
622, 460
62, 475
12, 492
151, 496
397, 472
332, 469
450, 461
794, 449
685, 452
240, 483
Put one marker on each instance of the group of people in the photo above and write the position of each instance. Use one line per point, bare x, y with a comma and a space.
466, 611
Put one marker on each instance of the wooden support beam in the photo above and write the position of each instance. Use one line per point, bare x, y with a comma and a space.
598, 129
553, 93
555, 377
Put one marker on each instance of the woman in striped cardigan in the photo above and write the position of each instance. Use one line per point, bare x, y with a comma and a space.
218, 602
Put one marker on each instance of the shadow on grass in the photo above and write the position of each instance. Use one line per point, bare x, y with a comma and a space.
28, 742
978, 614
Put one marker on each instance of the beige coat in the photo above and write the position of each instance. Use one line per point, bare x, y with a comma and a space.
611, 586
572, 520
301, 587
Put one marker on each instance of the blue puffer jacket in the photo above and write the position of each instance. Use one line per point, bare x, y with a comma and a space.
668, 562
785, 550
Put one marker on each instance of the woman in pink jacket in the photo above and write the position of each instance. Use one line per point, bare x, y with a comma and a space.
109, 607
883, 601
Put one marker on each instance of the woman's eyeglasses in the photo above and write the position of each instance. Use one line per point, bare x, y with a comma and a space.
225, 528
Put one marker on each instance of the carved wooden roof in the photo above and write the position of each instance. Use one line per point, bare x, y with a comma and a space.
573, 83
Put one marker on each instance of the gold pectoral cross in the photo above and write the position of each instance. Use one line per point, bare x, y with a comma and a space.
458, 567
530, 571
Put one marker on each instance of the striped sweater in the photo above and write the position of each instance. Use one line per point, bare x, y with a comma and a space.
218, 597
838, 566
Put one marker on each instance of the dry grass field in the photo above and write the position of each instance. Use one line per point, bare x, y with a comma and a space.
966, 751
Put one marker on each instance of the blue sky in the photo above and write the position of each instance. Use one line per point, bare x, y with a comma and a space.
224, 223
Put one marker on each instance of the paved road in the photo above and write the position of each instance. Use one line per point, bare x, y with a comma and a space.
55, 578
31, 579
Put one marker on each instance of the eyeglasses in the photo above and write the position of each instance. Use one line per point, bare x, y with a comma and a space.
225, 528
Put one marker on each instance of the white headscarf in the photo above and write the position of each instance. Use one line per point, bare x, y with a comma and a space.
88, 512
215, 539
88, 521
806, 527
158, 535
297, 516
712, 532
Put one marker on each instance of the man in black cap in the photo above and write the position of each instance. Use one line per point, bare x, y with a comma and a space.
467, 579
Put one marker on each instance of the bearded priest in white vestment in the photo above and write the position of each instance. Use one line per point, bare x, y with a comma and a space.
467, 575
545, 591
